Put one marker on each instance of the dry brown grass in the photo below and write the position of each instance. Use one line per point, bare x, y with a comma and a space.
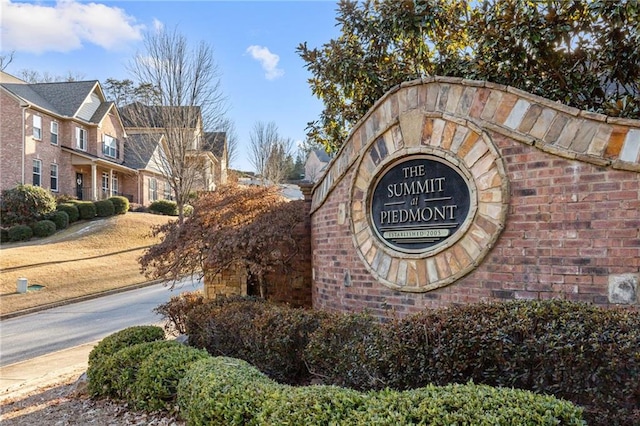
87, 258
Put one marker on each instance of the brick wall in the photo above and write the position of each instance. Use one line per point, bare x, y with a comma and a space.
571, 201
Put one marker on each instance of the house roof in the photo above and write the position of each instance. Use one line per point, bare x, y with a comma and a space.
215, 142
139, 149
138, 115
64, 98
322, 155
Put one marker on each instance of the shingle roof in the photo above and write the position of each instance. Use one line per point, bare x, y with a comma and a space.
215, 142
145, 116
63, 98
139, 149
322, 155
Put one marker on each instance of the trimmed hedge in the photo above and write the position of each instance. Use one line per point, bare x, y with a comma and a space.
115, 375
4, 235
224, 391
104, 208
44, 228
100, 355
156, 384
20, 233
71, 210
60, 218
271, 337
578, 352
165, 207
86, 209
231, 392
120, 204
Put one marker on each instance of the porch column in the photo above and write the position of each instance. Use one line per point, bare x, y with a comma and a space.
94, 182
110, 182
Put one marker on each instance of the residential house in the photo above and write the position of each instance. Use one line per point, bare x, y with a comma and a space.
62, 136
158, 131
316, 163
68, 138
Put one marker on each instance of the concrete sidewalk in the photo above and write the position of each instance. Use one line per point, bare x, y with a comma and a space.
23, 377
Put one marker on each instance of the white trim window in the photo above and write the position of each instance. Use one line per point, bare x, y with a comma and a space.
37, 172
54, 133
153, 189
110, 146
115, 185
54, 177
167, 190
37, 127
81, 139
105, 182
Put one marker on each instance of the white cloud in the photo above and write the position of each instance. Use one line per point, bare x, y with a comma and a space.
65, 26
268, 60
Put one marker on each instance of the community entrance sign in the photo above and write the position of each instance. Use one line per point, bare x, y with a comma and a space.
418, 203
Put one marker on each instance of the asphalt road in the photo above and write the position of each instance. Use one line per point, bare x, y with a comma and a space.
29, 336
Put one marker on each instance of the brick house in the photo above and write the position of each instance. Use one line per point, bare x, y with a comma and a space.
64, 136
147, 129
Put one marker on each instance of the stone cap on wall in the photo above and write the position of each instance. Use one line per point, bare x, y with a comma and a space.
533, 120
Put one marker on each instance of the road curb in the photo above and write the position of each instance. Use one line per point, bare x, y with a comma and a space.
77, 299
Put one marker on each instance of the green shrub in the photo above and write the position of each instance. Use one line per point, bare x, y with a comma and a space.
86, 209
581, 353
60, 218
101, 354
71, 210
65, 198
4, 235
187, 209
356, 367
44, 228
165, 207
228, 391
20, 233
104, 208
223, 391
156, 383
269, 336
115, 375
316, 405
25, 204
120, 204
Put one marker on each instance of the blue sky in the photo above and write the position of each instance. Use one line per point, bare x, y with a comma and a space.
254, 45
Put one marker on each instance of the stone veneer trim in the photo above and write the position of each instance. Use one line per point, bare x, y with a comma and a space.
495, 113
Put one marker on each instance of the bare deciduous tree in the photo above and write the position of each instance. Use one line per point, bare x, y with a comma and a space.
6, 59
270, 154
190, 100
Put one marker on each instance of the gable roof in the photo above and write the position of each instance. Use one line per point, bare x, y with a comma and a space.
322, 155
216, 142
139, 115
63, 99
139, 149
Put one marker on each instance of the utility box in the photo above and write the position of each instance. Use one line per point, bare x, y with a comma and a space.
22, 285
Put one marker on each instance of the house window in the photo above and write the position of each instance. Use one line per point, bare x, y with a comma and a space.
105, 182
153, 189
54, 133
114, 184
110, 147
167, 191
37, 173
81, 139
37, 127
54, 177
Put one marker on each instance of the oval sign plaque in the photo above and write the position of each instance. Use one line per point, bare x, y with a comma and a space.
419, 203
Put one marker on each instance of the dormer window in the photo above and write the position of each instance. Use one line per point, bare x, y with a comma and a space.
81, 139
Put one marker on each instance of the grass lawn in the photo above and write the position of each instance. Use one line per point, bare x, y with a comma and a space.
87, 258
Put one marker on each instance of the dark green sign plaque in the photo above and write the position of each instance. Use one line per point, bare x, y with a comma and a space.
418, 203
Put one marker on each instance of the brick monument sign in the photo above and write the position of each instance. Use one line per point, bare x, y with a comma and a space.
454, 191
